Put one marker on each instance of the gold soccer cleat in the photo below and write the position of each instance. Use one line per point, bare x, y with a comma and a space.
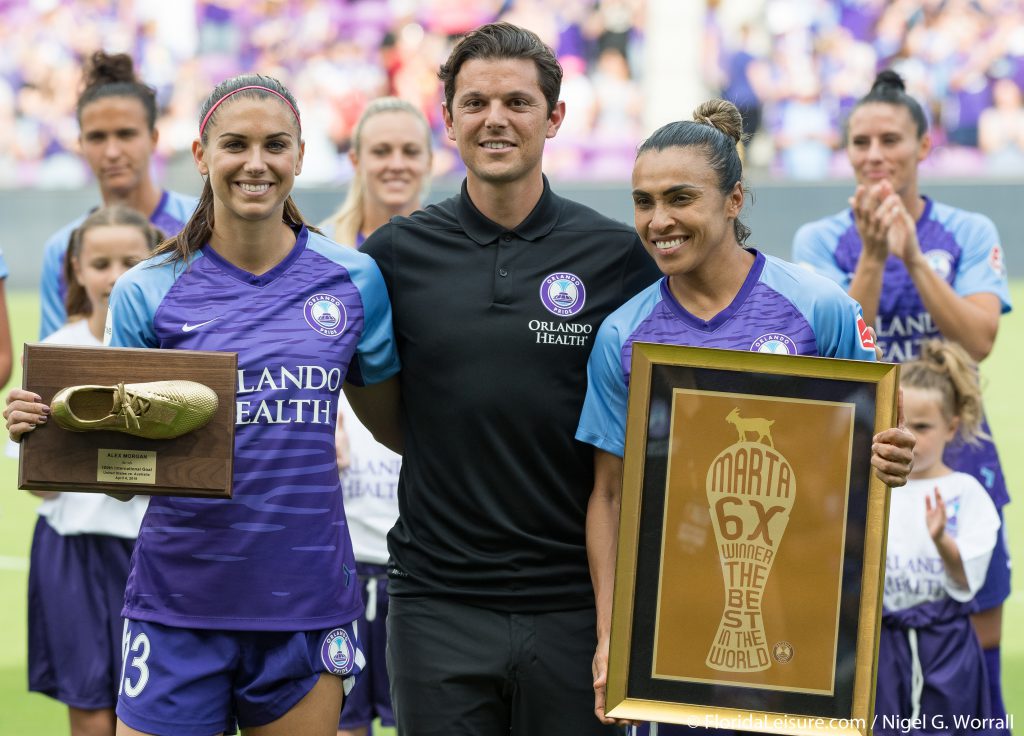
159, 410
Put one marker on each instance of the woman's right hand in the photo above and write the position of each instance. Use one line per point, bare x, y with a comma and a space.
25, 411
869, 219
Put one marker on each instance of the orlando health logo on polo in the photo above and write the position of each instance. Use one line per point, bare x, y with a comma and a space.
326, 314
563, 294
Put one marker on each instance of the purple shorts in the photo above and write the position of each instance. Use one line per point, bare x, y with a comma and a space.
75, 593
197, 682
371, 696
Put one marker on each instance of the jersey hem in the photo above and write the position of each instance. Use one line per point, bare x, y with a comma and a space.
247, 624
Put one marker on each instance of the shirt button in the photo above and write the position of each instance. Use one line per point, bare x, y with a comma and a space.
506, 237
503, 272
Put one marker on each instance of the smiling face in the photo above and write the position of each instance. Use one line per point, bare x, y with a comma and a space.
882, 144
499, 119
107, 251
680, 214
394, 160
252, 156
922, 409
117, 144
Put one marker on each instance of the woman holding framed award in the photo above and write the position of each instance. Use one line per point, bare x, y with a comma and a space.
688, 195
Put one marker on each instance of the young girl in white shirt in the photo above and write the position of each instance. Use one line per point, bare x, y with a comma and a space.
942, 529
83, 541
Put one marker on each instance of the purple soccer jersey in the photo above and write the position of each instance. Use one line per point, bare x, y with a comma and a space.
277, 556
964, 249
779, 309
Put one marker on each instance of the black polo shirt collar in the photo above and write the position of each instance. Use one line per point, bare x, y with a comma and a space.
541, 220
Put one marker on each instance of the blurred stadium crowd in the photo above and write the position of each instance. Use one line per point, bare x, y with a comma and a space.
794, 67
335, 56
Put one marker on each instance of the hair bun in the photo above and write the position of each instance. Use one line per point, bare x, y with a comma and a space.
887, 78
721, 115
103, 68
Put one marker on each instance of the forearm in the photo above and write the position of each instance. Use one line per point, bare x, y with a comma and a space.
6, 351
972, 323
866, 286
602, 531
951, 560
378, 407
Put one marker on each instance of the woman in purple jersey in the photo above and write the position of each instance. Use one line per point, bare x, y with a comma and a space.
391, 154
117, 120
920, 269
242, 610
688, 194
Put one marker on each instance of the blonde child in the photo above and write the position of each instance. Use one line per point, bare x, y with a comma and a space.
83, 541
942, 529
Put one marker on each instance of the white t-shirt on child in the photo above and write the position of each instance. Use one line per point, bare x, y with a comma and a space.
370, 488
88, 513
914, 572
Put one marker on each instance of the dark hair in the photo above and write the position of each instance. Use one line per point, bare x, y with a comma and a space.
199, 227
717, 127
504, 41
113, 75
76, 301
888, 88
947, 369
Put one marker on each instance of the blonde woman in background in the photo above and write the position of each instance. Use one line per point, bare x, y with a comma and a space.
391, 152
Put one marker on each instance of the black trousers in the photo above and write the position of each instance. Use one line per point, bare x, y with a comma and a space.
459, 669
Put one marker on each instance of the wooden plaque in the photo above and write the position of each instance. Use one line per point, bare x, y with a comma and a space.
196, 464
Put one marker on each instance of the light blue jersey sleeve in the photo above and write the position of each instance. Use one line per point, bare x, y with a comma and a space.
981, 268
376, 357
603, 420
814, 247
835, 318
51, 283
4, 273
134, 301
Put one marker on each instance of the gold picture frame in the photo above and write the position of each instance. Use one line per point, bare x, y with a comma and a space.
751, 544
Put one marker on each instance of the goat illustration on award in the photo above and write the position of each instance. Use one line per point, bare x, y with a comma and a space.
751, 489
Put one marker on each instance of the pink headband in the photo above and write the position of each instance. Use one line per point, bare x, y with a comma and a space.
202, 125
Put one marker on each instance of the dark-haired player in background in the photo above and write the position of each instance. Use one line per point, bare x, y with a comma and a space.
920, 269
117, 121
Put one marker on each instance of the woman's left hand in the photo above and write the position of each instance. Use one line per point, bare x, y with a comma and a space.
892, 450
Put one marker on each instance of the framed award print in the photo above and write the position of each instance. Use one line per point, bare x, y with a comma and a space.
751, 548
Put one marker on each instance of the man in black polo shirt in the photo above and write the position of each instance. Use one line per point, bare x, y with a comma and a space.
497, 295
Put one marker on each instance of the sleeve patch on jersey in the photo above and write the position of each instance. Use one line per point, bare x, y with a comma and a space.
995, 260
867, 339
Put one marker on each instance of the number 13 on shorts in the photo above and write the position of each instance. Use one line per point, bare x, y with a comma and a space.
139, 652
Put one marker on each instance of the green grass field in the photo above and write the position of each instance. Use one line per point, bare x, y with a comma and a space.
23, 713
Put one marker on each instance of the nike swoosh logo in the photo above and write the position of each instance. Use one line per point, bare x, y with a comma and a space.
188, 328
